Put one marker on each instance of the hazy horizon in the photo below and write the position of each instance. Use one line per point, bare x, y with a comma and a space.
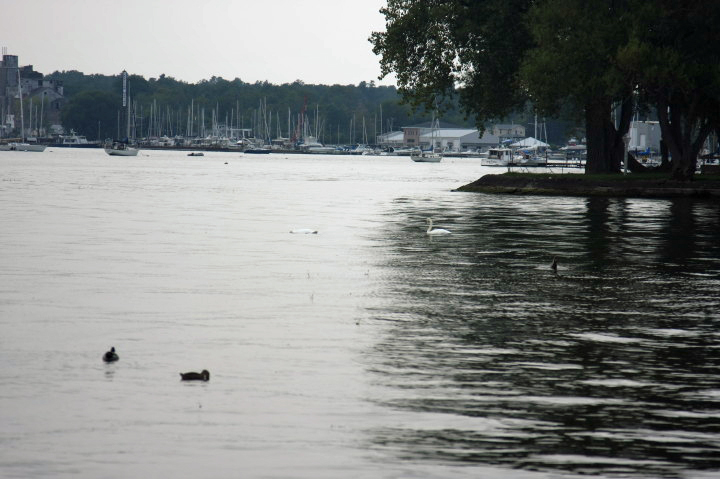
278, 41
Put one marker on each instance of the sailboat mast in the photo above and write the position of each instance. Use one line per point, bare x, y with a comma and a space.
126, 101
22, 114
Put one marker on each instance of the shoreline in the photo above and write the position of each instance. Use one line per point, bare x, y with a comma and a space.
633, 186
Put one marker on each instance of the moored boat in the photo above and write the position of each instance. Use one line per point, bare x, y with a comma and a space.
74, 140
497, 157
119, 148
433, 155
257, 151
123, 148
427, 157
27, 147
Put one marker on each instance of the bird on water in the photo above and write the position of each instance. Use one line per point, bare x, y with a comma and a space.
553, 265
193, 376
437, 231
110, 356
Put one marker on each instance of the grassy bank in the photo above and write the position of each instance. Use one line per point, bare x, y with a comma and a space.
643, 185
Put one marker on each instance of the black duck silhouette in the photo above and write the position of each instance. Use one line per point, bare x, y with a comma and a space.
193, 376
110, 356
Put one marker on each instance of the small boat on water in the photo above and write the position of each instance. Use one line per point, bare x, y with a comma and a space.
119, 148
432, 155
23, 147
73, 140
257, 151
123, 148
529, 157
196, 153
497, 157
426, 157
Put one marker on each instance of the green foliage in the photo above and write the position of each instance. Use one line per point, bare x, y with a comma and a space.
440, 49
90, 111
339, 106
574, 57
673, 56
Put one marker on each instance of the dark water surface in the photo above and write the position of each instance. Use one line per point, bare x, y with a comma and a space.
369, 350
608, 366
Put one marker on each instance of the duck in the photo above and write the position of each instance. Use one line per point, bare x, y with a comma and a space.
553, 265
436, 231
193, 376
110, 356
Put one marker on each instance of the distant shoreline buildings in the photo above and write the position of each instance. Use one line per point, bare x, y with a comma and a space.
43, 100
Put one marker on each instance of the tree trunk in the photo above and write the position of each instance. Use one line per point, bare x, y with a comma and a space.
605, 144
684, 135
597, 117
665, 159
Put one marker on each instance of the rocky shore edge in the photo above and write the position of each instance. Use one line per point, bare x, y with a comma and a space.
635, 186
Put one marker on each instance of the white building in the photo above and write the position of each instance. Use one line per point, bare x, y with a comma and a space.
458, 139
644, 135
445, 137
393, 139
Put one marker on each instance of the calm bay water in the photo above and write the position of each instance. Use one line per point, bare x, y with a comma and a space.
368, 350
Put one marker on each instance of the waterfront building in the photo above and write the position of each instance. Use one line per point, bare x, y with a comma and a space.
47, 95
446, 137
509, 132
645, 137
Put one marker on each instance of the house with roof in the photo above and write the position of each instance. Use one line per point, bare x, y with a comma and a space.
510, 132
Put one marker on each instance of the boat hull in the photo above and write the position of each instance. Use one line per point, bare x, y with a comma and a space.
26, 147
431, 158
122, 152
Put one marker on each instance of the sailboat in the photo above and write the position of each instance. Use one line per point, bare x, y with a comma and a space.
123, 148
429, 156
24, 145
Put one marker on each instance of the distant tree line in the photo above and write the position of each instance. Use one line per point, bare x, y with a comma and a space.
337, 113
341, 114
606, 59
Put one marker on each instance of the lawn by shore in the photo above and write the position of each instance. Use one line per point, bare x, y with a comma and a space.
633, 185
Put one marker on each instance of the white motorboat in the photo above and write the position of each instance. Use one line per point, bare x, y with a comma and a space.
530, 157
27, 147
75, 141
497, 157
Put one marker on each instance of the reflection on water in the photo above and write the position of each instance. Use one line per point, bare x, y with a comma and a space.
609, 366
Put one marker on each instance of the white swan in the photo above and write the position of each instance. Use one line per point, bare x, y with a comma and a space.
436, 231
303, 231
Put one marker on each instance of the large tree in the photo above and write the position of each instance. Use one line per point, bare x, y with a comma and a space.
438, 48
565, 50
673, 52
92, 113
575, 59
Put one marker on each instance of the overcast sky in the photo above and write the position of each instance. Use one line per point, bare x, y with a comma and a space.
316, 41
